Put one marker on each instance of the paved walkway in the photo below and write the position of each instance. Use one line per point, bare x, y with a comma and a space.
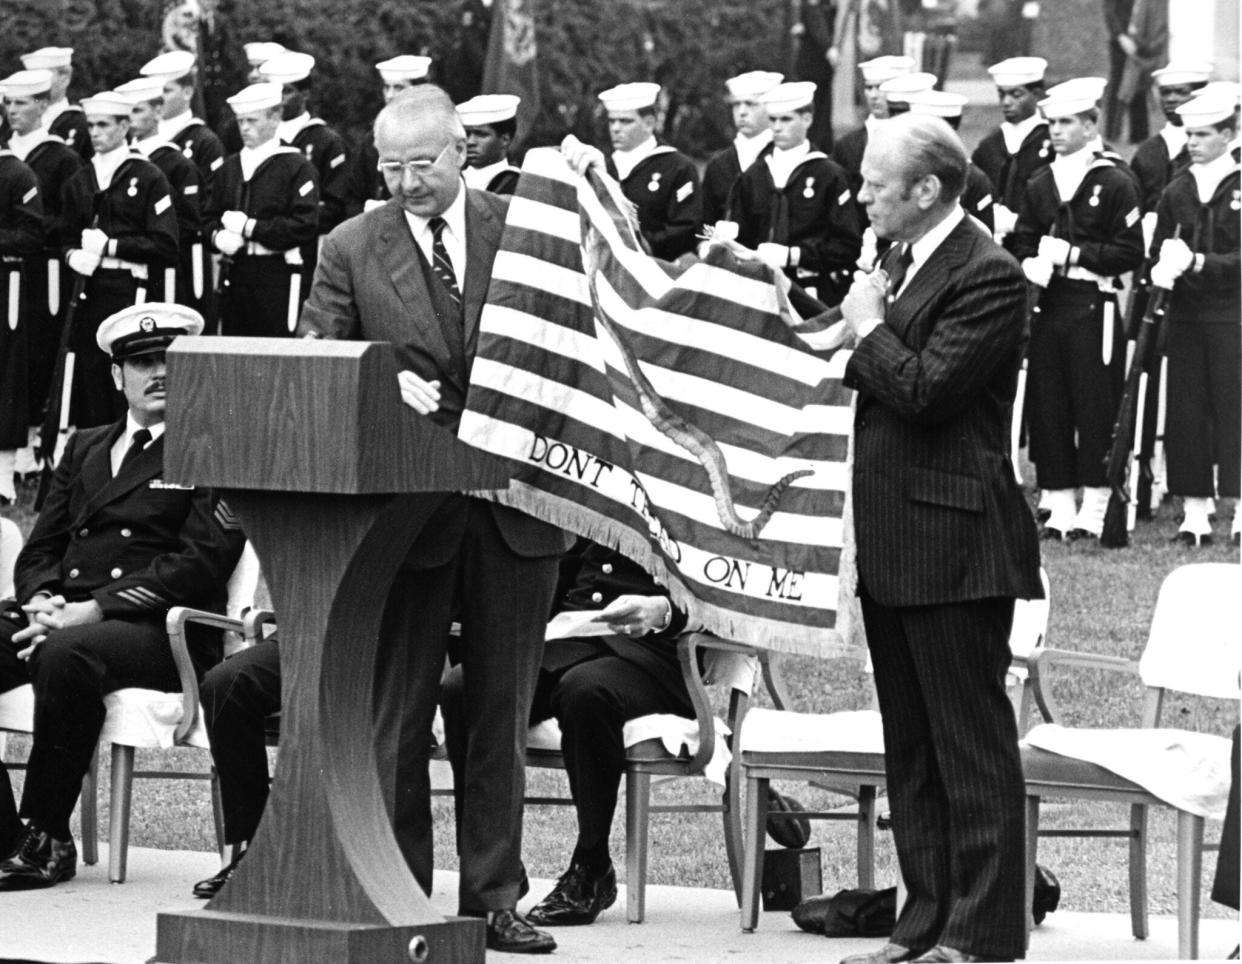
90, 920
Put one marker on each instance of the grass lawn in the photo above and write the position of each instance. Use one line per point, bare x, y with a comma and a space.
1101, 602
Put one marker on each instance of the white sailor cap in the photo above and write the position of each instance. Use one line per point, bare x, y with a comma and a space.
405, 67
1208, 109
1018, 71
637, 96
146, 328
488, 109
170, 66
900, 88
141, 90
937, 103
1229, 88
48, 58
108, 103
1072, 97
1180, 72
259, 52
884, 68
752, 84
255, 98
288, 68
792, 96
26, 83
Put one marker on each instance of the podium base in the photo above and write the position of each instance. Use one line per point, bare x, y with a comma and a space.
215, 937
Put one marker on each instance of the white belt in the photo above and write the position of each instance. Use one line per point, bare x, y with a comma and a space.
116, 264
1079, 273
292, 257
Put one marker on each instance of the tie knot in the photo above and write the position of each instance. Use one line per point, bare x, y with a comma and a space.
140, 438
437, 225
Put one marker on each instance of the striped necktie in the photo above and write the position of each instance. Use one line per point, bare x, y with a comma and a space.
441, 263
897, 276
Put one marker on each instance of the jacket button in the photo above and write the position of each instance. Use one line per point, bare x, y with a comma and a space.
116, 573
74, 573
126, 533
607, 568
84, 532
597, 597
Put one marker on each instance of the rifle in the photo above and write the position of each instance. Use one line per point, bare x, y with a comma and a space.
1128, 428
225, 269
56, 409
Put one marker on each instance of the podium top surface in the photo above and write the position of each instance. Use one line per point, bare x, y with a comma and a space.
307, 415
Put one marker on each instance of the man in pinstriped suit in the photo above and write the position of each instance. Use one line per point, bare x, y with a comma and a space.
946, 543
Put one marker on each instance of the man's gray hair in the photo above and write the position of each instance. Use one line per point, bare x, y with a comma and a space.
422, 103
927, 145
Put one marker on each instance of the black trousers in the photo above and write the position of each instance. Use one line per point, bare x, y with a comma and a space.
591, 701
257, 302
95, 400
955, 782
13, 674
1204, 415
238, 695
1072, 396
502, 600
1225, 883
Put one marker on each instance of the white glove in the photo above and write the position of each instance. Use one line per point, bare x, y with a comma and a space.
869, 253
94, 241
724, 231
1038, 271
234, 221
1055, 250
1003, 221
774, 255
229, 242
1164, 275
1176, 254
581, 156
83, 262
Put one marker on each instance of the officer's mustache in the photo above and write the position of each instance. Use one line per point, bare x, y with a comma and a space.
155, 386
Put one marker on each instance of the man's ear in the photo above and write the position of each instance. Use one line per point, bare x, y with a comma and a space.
117, 378
928, 191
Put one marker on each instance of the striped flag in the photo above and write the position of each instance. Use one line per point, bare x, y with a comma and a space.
671, 413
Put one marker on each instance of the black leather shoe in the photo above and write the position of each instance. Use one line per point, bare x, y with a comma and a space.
949, 955
577, 898
39, 860
211, 886
1081, 535
507, 931
792, 833
1191, 541
890, 953
1042, 515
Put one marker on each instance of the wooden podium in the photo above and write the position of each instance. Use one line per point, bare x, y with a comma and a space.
332, 478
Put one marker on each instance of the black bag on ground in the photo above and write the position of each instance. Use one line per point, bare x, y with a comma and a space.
849, 913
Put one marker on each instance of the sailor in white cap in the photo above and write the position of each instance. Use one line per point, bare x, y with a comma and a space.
263, 208
1078, 231
662, 183
795, 207
491, 125
977, 198
321, 144
26, 97
898, 90
120, 232
178, 125
1203, 431
365, 188
180, 283
1014, 151
258, 52
114, 548
63, 119
21, 241
849, 148
752, 139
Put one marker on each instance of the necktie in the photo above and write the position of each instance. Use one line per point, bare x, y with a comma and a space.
442, 265
136, 445
897, 276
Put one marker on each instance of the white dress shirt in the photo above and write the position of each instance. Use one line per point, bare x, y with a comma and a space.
121, 445
454, 236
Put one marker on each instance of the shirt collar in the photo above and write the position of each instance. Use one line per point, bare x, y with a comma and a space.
55, 109
781, 163
749, 148
454, 219
1015, 134
149, 145
252, 157
480, 177
925, 247
626, 161
170, 127
1208, 176
289, 129
1174, 138
23, 144
106, 165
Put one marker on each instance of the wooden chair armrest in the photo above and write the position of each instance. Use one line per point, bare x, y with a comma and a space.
175, 623
688, 647
1042, 663
253, 622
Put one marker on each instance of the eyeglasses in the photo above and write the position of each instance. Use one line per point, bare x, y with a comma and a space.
396, 169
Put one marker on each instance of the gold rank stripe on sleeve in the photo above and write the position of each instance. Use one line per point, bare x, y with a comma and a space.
227, 520
30, 195
163, 204
142, 597
306, 188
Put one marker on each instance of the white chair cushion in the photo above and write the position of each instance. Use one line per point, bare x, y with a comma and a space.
148, 718
783, 731
1187, 770
678, 734
17, 709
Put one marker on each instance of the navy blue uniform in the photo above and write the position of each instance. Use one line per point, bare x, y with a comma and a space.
664, 186
21, 241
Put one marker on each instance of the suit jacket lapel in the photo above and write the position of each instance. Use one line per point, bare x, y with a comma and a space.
97, 473
483, 232
399, 253
931, 277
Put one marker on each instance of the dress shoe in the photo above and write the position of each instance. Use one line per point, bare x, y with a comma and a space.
1052, 533
888, 954
1042, 515
792, 833
39, 860
1085, 536
949, 955
577, 898
211, 886
508, 932
1192, 540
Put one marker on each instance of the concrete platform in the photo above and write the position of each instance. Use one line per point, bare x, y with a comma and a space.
90, 920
